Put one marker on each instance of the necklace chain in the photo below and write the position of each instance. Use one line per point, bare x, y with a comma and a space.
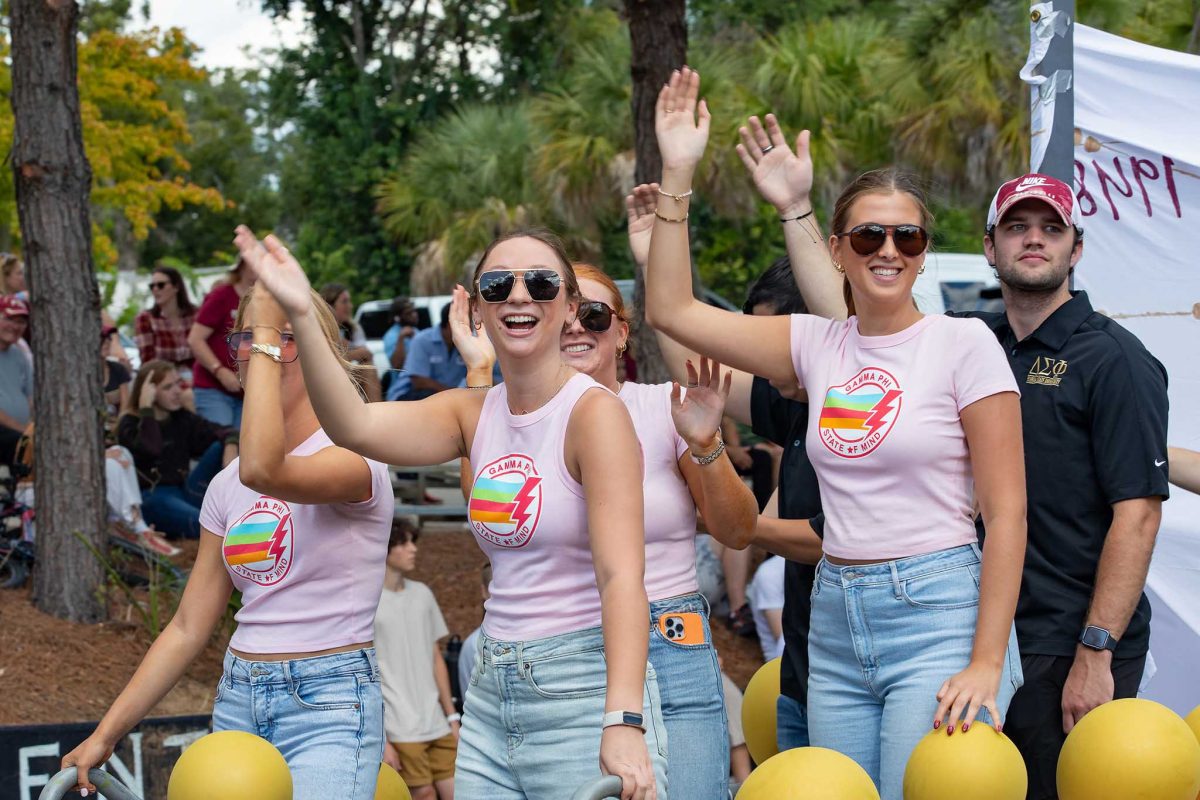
552, 395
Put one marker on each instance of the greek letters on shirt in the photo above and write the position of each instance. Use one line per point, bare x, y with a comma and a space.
258, 547
506, 501
860, 413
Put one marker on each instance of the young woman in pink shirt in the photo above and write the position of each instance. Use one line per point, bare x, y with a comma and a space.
562, 690
300, 527
919, 421
684, 469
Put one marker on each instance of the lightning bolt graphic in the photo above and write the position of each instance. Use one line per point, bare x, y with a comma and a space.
523, 500
276, 548
881, 410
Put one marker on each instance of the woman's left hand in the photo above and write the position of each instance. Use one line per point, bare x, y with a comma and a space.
698, 414
265, 310
968, 691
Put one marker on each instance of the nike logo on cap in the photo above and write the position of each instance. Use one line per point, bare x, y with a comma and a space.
1031, 182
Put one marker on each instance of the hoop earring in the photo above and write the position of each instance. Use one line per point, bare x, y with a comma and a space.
477, 324
839, 267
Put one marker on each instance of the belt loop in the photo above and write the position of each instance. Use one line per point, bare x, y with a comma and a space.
287, 674
895, 579
707, 607
975, 549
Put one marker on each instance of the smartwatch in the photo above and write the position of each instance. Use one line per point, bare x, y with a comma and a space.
1097, 639
631, 718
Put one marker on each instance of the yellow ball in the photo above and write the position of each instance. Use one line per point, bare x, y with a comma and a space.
980, 764
390, 786
230, 765
1193, 721
758, 711
808, 773
1130, 750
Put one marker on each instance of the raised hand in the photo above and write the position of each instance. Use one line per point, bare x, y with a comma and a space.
472, 343
147, 395
698, 415
784, 178
639, 210
681, 124
277, 271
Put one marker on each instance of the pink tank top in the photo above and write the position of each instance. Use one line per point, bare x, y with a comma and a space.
530, 517
670, 511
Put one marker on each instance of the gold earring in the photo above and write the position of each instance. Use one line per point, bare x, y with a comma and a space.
477, 324
839, 267
921, 271
620, 350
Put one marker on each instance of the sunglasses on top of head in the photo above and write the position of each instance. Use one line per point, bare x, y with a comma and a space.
541, 284
866, 239
595, 316
239, 346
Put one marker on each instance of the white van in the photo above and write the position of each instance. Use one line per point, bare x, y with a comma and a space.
375, 317
957, 282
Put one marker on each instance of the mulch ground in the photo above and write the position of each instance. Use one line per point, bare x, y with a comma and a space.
58, 671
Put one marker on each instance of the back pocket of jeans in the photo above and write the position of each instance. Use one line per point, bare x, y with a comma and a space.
943, 591
574, 675
333, 693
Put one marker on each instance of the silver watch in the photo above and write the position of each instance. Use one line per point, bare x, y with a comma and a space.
631, 718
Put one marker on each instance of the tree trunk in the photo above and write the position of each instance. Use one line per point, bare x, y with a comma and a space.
53, 180
658, 39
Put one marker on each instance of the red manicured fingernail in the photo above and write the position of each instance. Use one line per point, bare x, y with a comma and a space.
965, 726
937, 723
1000, 728
950, 730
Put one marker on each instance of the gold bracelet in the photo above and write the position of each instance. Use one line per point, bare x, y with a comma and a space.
482, 386
669, 219
678, 198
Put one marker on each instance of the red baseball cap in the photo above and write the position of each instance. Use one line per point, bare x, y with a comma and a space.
13, 306
1050, 191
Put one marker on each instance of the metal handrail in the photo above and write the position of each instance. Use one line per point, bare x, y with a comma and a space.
599, 789
106, 785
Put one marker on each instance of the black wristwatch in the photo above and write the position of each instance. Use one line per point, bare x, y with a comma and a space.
1097, 638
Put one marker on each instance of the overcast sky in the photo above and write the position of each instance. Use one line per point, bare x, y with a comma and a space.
222, 27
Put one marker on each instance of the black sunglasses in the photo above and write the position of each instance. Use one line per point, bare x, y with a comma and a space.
911, 240
595, 316
159, 285
239, 346
496, 285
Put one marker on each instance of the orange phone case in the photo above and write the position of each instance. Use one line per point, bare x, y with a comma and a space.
682, 627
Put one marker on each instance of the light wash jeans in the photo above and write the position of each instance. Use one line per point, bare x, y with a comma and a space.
324, 714
884, 638
531, 723
219, 407
693, 706
791, 723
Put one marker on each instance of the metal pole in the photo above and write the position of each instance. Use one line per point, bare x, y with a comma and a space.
1059, 161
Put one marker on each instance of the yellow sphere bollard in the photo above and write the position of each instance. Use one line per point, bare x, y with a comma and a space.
1130, 750
390, 786
808, 773
1193, 721
230, 765
758, 711
980, 764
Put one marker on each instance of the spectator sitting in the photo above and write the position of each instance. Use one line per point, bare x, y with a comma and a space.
16, 377
164, 437
161, 332
12, 276
766, 600
218, 392
397, 338
433, 363
420, 724
470, 646
116, 378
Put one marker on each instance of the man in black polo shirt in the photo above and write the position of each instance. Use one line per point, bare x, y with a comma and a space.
1094, 416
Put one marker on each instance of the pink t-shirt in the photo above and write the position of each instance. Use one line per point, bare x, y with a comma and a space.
530, 518
310, 575
888, 445
670, 510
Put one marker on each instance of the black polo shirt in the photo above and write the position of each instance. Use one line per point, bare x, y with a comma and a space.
1094, 417
784, 422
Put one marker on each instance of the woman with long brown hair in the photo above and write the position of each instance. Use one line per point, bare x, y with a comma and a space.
161, 331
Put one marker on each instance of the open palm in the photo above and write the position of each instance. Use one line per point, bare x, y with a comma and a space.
681, 124
473, 345
784, 178
698, 415
639, 211
277, 271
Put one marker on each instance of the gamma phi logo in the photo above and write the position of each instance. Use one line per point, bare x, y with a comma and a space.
859, 414
259, 545
506, 501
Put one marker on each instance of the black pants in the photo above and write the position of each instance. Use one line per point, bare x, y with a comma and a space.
1034, 721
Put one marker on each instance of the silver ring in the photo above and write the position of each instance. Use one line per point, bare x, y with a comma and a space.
768, 149
693, 385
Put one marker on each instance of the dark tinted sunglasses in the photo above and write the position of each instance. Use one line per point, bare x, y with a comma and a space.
239, 346
496, 285
911, 240
159, 285
595, 316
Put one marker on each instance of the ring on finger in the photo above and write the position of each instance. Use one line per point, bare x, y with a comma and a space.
768, 149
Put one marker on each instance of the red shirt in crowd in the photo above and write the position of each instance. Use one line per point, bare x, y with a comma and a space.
217, 312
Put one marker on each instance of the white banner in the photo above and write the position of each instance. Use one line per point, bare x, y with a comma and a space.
1137, 177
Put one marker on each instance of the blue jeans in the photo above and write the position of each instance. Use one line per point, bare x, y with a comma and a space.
791, 723
175, 510
324, 714
531, 722
693, 706
219, 407
884, 638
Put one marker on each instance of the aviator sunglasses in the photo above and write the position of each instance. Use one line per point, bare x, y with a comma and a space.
595, 316
239, 346
496, 285
866, 239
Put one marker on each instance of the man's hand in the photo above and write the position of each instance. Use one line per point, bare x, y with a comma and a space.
1089, 684
390, 756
